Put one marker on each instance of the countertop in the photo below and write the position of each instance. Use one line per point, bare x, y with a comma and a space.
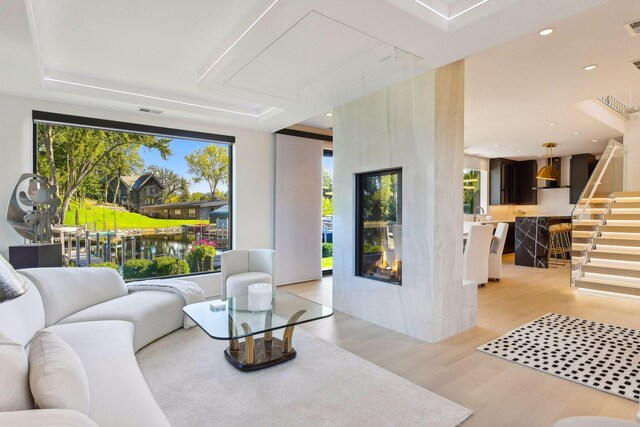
546, 216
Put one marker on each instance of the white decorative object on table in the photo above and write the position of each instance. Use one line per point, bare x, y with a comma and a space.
260, 297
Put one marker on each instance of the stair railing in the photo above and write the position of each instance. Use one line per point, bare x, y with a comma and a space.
613, 149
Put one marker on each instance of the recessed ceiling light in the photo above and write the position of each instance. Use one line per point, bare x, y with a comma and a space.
519, 151
329, 114
590, 67
496, 145
546, 31
553, 124
539, 155
576, 133
594, 140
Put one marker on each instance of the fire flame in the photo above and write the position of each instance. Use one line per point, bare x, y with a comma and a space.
395, 267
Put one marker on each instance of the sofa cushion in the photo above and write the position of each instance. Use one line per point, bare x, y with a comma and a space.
154, 314
68, 290
56, 375
14, 372
237, 284
22, 317
119, 394
46, 417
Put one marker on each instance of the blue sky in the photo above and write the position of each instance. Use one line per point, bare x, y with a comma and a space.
176, 162
327, 163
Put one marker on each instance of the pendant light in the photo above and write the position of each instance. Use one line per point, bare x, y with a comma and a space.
548, 172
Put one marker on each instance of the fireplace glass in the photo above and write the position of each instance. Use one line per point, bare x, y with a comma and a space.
379, 225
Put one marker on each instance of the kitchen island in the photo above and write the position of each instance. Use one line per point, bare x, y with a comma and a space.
532, 239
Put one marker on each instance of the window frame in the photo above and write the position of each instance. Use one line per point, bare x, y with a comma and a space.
360, 178
38, 116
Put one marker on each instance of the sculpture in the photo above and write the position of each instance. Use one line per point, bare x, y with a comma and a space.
36, 223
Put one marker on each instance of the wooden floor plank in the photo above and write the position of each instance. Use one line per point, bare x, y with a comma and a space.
500, 393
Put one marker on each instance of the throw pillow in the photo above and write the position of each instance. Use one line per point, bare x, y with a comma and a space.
14, 377
56, 374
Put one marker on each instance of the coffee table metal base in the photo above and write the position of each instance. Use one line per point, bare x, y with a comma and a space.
265, 354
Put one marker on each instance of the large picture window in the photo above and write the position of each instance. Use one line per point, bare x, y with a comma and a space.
379, 225
146, 201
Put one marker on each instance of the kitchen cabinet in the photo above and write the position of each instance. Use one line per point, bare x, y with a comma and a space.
512, 182
582, 166
501, 182
525, 182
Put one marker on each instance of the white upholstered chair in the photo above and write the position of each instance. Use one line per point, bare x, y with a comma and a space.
495, 253
243, 267
476, 254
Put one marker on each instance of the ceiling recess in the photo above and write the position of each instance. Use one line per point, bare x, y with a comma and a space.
633, 27
636, 63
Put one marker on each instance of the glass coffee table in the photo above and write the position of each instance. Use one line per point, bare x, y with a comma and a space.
234, 321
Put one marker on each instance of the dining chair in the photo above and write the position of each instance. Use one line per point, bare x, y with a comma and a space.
476, 254
496, 250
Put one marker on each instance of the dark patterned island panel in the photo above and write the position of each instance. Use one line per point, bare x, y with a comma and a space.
532, 239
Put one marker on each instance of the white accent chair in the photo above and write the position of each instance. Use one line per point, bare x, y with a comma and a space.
476, 254
497, 248
243, 267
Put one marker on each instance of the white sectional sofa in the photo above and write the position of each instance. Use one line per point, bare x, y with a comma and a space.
92, 311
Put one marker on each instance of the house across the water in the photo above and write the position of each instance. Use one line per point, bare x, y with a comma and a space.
135, 191
183, 210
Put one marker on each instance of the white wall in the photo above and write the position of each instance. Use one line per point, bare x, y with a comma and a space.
253, 159
403, 126
475, 162
631, 141
298, 209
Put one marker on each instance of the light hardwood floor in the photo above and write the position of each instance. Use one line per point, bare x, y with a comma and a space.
500, 393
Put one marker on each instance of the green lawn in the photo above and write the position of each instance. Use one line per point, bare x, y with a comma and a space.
327, 263
124, 219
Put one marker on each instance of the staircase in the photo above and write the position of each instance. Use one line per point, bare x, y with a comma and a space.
606, 243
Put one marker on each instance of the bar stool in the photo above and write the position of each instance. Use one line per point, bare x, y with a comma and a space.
559, 243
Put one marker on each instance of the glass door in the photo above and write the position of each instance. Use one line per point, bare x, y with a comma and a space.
327, 212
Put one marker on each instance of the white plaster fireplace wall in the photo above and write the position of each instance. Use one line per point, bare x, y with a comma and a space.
416, 125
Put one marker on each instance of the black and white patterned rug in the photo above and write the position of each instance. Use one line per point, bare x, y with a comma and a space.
594, 354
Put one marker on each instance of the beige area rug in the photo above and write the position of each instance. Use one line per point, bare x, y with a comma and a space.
325, 385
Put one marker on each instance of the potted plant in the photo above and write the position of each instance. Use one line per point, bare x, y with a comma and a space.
201, 254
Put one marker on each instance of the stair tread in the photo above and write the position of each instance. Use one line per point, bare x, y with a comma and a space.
601, 249
612, 266
622, 194
597, 200
603, 281
620, 235
616, 241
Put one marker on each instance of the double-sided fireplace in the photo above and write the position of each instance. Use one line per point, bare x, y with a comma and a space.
379, 225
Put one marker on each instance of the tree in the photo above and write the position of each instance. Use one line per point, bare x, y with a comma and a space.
174, 184
210, 164
72, 154
327, 206
197, 196
327, 183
